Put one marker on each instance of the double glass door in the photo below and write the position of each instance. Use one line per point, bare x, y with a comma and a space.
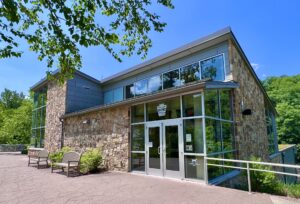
164, 148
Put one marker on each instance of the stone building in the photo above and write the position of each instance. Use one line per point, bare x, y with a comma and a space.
162, 117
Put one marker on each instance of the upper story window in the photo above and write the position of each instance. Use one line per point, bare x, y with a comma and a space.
171, 79
213, 68
114, 95
190, 73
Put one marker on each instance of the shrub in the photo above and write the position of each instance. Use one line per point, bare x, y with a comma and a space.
263, 181
90, 160
267, 182
292, 190
58, 155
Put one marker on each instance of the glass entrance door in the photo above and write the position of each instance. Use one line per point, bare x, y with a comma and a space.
165, 150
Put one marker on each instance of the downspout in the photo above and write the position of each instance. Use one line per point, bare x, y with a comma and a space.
62, 133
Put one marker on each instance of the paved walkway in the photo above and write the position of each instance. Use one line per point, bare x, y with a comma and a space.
22, 184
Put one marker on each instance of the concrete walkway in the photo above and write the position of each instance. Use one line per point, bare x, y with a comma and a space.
22, 184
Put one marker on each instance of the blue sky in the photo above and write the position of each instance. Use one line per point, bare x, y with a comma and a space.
267, 30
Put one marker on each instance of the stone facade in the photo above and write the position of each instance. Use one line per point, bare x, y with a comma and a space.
106, 129
250, 130
56, 105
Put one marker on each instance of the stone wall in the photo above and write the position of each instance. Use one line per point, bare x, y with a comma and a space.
56, 105
106, 129
250, 130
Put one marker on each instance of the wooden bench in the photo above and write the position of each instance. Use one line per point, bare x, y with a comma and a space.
37, 157
70, 161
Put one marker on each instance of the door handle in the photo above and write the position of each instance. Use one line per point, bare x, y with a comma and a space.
158, 149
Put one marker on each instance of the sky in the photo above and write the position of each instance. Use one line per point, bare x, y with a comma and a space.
268, 32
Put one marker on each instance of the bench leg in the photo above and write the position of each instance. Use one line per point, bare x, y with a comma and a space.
28, 160
68, 172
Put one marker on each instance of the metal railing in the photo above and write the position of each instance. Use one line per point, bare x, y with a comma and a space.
248, 168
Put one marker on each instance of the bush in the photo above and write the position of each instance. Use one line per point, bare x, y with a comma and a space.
90, 160
292, 190
263, 181
58, 155
266, 182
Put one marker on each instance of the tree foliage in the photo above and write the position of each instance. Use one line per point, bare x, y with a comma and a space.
284, 91
15, 118
56, 29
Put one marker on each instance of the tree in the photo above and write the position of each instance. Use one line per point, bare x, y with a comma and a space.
284, 91
11, 99
15, 118
56, 29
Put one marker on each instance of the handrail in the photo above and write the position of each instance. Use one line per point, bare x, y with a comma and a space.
250, 169
254, 162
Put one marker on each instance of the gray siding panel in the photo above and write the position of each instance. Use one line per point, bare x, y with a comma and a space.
82, 93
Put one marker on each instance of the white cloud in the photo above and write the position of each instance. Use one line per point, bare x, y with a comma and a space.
255, 66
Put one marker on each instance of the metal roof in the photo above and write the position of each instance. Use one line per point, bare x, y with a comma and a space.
44, 80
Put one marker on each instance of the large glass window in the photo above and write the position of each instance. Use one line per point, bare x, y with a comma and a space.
155, 84
171, 79
225, 104
138, 138
129, 91
270, 123
212, 103
193, 135
141, 87
213, 135
213, 68
113, 96
118, 94
190, 73
137, 113
137, 161
166, 109
38, 119
227, 136
192, 105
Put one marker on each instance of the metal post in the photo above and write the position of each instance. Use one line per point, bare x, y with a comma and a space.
205, 170
249, 179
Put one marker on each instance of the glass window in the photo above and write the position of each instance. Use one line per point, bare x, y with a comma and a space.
270, 131
213, 68
137, 113
155, 84
141, 87
161, 110
212, 103
215, 171
108, 97
193, 135
137, 161
229, 155
225, 103
129, 90
118, 94
194, 167
171, 79
190, 73
138, 138
213, 135
192, 105
227, 135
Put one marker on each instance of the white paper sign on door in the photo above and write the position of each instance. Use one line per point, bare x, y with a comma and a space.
150, 144
188, 137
